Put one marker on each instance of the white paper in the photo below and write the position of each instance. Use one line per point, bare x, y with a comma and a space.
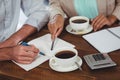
39, 60
44, 45
115, 30
103, 41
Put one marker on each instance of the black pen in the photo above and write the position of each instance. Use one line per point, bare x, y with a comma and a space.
52, 46
25, 44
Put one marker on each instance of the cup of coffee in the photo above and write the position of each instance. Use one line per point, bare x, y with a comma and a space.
78, 23
64, 57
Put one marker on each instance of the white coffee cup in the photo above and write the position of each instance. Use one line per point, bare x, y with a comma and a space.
64, 62
77, 26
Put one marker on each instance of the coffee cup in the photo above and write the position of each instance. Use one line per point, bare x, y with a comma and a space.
78, 23
65, 57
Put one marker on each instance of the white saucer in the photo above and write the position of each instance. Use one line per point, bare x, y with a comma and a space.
70, 30
68, 69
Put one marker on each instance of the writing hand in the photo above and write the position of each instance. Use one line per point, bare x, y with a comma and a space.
24, 54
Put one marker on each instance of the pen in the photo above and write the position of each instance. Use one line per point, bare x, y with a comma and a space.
52, 44
25, 44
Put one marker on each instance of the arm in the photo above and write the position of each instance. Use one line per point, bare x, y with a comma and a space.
37, 17
22, 54
55, 9
18, 36
36, 12
56, 22
116, 11
102, 20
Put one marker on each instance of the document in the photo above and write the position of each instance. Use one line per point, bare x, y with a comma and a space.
105, 41
44, 45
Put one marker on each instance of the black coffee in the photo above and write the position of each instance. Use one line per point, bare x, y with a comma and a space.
65, 54
79, 21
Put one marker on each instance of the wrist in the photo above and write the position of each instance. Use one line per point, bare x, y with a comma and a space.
7, 43
58, 16
6, 53
112, 19
23, 33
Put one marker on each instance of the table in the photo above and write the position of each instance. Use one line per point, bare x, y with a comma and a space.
10, 71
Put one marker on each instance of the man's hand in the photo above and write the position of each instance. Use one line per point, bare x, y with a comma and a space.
23, 54
56, 26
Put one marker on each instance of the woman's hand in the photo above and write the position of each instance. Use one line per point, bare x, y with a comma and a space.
102, 20
56, 26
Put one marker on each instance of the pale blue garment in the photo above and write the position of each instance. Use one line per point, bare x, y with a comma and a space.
86, 8
9, 15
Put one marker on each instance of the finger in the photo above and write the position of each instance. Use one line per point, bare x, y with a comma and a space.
101, 23
50, 26
100, 18
96, 26
34, 49
24, 58
30, 48
25, 61
55, 30
58, 32
28, 54
53, 37
95, 19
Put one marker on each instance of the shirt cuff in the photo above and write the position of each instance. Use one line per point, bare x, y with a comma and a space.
55, 12
117, 13
38, 20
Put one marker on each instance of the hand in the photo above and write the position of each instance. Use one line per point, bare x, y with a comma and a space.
24, 54
55, 27
100, 21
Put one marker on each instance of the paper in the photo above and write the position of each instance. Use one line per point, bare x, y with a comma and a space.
104, 41
39, 60
44, 45
115, 30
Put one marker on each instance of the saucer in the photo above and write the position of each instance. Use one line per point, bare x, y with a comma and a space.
70, 30
67, 69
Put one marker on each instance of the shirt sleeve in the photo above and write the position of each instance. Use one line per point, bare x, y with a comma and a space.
116, 12
36, 12
55, 9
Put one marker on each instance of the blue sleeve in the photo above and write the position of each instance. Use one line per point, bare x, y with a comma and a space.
36, 12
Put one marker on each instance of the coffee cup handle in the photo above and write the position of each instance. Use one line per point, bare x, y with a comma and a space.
53, 62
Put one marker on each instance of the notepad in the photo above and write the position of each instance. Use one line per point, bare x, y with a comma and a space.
105, 41
44, 45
